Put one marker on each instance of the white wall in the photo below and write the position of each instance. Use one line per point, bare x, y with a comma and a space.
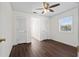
78, 25
70, 38
6, 28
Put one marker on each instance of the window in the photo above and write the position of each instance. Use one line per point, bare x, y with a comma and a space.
65, 24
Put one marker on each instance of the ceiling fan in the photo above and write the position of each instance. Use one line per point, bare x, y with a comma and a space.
47, 8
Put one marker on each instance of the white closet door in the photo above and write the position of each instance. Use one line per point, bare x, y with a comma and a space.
21, 30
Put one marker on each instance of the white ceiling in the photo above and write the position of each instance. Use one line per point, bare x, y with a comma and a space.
31, 6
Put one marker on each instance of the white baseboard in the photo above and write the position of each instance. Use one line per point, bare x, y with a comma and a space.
28, 42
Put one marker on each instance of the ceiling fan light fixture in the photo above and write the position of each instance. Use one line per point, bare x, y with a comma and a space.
46, 10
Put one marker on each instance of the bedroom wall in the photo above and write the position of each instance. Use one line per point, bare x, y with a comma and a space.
78, 25
6, 28
70, 38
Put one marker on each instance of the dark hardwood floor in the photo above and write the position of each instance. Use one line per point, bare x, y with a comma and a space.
45, 48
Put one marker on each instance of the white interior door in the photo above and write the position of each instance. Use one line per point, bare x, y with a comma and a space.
21, 30
35, 28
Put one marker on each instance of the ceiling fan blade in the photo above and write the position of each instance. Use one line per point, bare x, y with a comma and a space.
42, 12
54, 5
51, 10
35, 12
39, 8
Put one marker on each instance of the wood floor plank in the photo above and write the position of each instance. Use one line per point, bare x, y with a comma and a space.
45, 48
